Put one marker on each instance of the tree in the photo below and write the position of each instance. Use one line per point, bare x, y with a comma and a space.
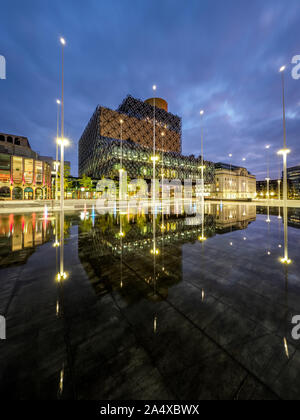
68, 183
86, 183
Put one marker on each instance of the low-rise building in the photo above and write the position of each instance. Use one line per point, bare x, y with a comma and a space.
233, 182
22, 175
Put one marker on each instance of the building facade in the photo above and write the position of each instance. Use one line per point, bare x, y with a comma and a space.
22, 175
294, 179
232, 182
123, 139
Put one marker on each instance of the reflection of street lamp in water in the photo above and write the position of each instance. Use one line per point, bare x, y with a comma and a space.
62, 275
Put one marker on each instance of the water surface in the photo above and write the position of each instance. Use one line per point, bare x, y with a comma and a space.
171, 309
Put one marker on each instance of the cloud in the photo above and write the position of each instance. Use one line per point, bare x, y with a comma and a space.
219, 56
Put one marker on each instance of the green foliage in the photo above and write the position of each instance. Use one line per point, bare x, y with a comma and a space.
86, 183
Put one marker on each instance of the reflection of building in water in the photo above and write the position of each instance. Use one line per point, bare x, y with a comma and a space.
294, 217
101, 247
100, 251
232, 216
19, 235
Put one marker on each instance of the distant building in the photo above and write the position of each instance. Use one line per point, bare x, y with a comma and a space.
22, 175
294, 179
52, 161
16, 145
262, 189
233, 182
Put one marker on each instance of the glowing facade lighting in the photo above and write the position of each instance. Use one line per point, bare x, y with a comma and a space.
154, 158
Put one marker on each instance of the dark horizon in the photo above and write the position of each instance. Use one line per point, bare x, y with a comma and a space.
223, 58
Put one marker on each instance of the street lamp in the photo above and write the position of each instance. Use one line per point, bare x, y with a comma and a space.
202, 150
56, 163
230, 181
154, 147
268, 171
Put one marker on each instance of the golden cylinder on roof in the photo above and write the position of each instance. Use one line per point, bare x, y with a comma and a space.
159, 103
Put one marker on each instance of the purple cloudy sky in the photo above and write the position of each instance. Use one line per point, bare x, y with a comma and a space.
222, 56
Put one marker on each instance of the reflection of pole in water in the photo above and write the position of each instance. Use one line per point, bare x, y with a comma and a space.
62, 275
268, 215
121, 260
286, 348
284, 152
285, 259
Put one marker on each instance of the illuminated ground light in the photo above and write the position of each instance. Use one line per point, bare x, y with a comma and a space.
202, 239
155, 251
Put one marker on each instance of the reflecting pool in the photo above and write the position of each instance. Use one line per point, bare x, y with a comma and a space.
135, 306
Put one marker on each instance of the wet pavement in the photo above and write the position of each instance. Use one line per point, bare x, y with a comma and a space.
165, 310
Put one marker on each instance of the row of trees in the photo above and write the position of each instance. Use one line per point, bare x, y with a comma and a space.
84, 182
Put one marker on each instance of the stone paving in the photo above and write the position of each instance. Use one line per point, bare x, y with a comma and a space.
211, 320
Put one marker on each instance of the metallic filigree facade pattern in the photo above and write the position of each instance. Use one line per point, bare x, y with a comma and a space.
101, 148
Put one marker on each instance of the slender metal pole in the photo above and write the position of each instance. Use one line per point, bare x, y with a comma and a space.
283, 105
121, 123
285, 207
285, 152
56, 163
154, 157
62, 222
268, 174
62, 192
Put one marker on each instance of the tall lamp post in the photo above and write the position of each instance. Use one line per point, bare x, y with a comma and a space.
154, 158
121, 172
62, 140
284, 152
162, 166
56, 163
268, 171
202, 237
202, 151
230, 181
